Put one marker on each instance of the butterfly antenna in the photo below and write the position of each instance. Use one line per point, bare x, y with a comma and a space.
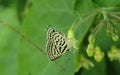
22, 35
49, 26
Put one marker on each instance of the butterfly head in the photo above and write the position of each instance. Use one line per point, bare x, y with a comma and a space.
51, 30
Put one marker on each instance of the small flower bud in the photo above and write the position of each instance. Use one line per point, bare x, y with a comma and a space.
90, 50
115, 37
98, 56
91, 39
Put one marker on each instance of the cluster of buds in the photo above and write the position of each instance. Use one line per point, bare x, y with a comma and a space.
85, 63
72, 42
114, 53
112, 32
94, 51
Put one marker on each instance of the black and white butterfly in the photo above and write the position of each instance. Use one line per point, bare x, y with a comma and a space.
56, 45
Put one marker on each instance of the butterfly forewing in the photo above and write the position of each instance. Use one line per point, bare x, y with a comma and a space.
56, 45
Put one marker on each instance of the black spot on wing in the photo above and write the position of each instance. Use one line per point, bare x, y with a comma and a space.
50, 32
63, 43
64, 48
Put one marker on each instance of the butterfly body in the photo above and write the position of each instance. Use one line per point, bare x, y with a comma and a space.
56, 45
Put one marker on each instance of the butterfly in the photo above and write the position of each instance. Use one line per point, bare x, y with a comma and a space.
56, 44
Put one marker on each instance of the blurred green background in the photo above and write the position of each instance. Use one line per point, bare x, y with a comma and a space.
31, 17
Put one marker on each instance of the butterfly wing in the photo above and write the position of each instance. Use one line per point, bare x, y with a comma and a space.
56, 45
61, 43
52, 51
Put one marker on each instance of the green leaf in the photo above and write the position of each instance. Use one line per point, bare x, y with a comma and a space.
20, 57
42, 13
8, 42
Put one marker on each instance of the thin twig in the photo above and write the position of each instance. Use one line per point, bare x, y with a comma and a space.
86, 18
22, 35
98, 27
115, 12
114, 15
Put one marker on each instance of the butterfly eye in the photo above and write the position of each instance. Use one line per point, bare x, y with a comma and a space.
53, 30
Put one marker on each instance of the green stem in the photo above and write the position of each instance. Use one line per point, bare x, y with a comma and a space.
113, 15
104, 13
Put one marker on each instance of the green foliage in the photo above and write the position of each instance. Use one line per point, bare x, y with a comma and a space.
91, 26
8, 43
